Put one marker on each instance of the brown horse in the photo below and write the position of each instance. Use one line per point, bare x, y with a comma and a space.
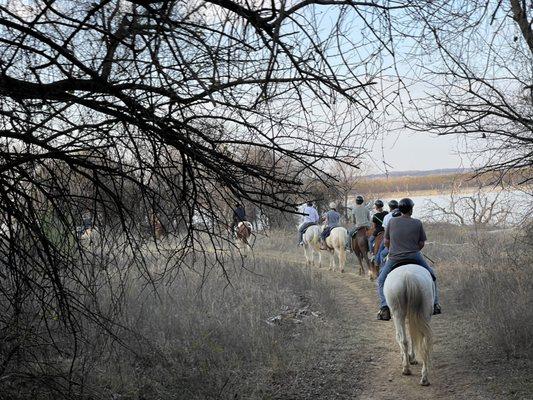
374, 271
244, 231
360, 248
158, 229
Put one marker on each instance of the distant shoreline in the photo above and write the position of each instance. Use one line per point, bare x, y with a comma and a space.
435, 184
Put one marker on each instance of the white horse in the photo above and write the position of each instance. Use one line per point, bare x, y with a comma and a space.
336, 242
410, 294
243, 233
311, 239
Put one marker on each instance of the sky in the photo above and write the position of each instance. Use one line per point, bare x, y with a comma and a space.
414, 151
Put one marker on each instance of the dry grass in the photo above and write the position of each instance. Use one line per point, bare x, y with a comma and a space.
202, 335
489, 275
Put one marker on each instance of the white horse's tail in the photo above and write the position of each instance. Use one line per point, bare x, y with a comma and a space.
417, 318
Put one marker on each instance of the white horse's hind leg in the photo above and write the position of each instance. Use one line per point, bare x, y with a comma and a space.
307, 261
342, 258
424, 381
412, 355
332, 260
401, 337
425, 370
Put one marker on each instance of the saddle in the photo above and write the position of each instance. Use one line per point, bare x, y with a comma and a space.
326, 232
408, 261
308, 226
358, 229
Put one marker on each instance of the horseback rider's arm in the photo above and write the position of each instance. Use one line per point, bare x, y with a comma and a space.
422, 238
386, 238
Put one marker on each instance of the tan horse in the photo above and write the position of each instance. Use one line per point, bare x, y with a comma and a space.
359, 244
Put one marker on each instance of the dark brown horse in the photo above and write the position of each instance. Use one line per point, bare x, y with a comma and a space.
360, 248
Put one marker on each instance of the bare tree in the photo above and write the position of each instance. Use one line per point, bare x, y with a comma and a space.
475, 207
347, 179
477, 58
142, 107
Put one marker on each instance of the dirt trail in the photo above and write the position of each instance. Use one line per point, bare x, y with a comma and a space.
361, 359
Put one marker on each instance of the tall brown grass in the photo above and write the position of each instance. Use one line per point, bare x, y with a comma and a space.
489, 274
438, 183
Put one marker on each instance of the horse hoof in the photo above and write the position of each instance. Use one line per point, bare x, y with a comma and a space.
424, 382
413, 362
406, 371
342, 271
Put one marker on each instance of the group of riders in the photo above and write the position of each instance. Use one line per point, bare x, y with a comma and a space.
403, 237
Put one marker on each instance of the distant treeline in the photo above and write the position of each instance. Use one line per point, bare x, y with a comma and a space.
440, 182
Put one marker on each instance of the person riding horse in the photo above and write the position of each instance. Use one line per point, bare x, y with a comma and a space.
405, 237
310, 218
239, 215
393, 212
332, 220
377, 220
360, 216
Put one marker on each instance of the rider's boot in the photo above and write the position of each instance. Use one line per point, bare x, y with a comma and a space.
384, 313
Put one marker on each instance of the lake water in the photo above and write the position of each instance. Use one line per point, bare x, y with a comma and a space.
508, 207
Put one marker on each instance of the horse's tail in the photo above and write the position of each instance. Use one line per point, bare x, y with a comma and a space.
418, 318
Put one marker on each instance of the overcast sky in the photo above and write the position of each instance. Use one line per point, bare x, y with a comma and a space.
415, 151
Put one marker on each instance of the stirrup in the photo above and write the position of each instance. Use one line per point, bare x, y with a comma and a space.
436, 309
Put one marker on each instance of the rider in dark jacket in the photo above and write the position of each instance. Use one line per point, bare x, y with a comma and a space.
377, 220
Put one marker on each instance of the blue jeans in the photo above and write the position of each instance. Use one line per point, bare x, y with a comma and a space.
302, 229
371, 241
419, 258
382, 253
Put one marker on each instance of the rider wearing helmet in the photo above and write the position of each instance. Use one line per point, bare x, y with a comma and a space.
377, 220
331, 220
405, 237
393, 212
310, 217
360, 216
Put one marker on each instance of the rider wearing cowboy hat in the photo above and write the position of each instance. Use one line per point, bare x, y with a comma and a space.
331, 219
405, 237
